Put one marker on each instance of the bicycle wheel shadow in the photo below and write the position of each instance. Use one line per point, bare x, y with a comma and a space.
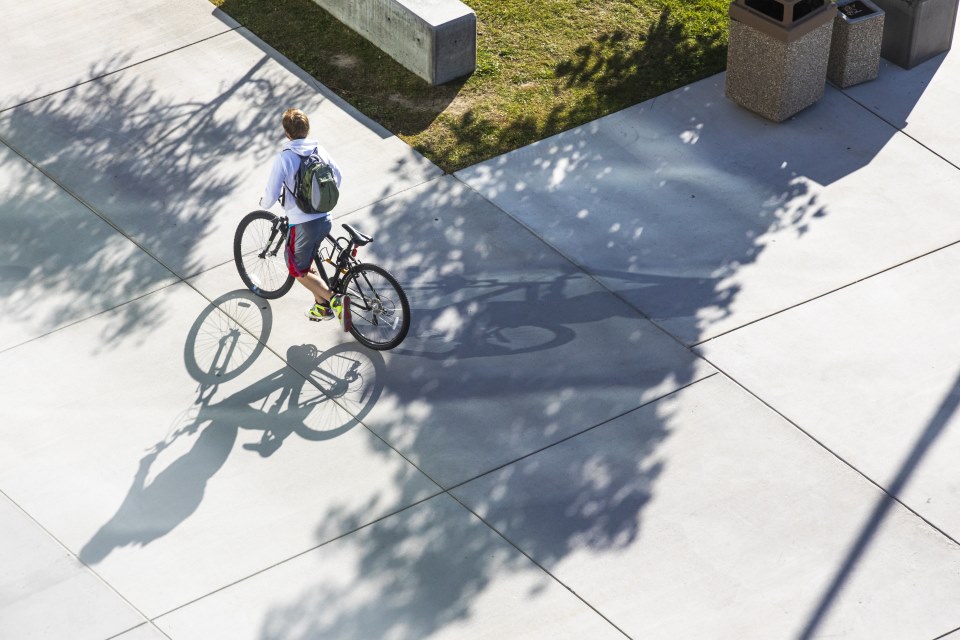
508, 316
317, 395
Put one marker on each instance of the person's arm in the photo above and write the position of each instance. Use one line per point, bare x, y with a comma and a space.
336, 172
274, 184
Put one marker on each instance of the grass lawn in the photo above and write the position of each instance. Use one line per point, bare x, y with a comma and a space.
543, 66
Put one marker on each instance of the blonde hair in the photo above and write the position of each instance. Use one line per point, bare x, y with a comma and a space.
296, 124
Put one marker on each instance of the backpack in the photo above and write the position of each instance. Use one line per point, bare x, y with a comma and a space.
316, 186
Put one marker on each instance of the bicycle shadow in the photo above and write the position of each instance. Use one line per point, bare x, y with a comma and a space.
173, 475
501, 317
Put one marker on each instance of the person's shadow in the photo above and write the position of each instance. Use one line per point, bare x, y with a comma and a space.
307, 397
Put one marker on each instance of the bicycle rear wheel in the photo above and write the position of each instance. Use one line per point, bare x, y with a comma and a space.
378, 305
258, 250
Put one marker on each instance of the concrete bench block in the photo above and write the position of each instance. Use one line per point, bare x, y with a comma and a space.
435, 39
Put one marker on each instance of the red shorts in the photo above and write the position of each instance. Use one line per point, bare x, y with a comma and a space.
303, 241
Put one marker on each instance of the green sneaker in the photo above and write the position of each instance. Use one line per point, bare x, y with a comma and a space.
320, 312
341, 309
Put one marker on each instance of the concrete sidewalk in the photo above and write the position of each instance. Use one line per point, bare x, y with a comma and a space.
679, 372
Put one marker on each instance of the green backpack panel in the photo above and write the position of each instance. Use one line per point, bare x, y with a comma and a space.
316, 185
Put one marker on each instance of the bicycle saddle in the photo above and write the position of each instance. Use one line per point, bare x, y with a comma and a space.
358, 238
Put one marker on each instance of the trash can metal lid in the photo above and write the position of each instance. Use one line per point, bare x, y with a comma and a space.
784, 20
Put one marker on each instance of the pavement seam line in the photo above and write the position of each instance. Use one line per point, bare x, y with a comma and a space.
542, 568
147, 623
118, 70
83, 564
583, 270
94, 315
340, 216
836, 455
296, 555
941, 637
441, 491
896, 128
827, 293
867, 277
179, 280
183, 280
89, 206
580, 433
307, 379
106, 221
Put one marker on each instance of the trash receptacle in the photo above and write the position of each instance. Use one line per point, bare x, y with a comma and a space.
916, 30
777, 54
855, 46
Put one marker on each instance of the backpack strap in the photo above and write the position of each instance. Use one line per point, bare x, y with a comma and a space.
284, 182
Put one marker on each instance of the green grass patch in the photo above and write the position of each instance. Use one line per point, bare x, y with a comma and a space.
543, 66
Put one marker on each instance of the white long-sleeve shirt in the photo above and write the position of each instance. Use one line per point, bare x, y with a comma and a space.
284, 172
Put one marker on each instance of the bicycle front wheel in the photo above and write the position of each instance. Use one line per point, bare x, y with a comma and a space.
258, 250
378, 305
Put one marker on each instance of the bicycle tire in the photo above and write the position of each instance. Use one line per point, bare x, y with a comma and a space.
266, 276
378, 306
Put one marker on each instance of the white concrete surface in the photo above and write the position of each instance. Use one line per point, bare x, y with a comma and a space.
45, 592
920, 102
60, 263
144, 632
177, 158
707, 218
432, 571
511, 348
705, 513
183, 485
181, 459
872, 372
55, 44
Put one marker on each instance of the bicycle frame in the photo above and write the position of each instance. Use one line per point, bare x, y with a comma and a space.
379, 306
344, 248
346, 253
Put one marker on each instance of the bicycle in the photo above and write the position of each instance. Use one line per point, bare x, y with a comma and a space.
381, 313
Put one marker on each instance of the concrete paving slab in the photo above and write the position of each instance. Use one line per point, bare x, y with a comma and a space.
49, 46
59, 262
433, 571
872, 372
191, 457
511, 348
46, 593
706, 217
920, 101
175, 150
707, 515
144, 632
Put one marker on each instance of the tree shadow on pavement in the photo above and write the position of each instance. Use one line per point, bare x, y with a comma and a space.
496, 315
296, 399
515, 347
142, 182
512, 350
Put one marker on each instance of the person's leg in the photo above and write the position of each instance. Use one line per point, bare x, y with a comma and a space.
315, 285
301, 247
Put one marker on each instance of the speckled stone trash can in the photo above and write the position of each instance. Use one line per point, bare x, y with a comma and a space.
777, 54
855, 46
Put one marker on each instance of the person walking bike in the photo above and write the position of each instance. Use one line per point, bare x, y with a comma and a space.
306, 230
